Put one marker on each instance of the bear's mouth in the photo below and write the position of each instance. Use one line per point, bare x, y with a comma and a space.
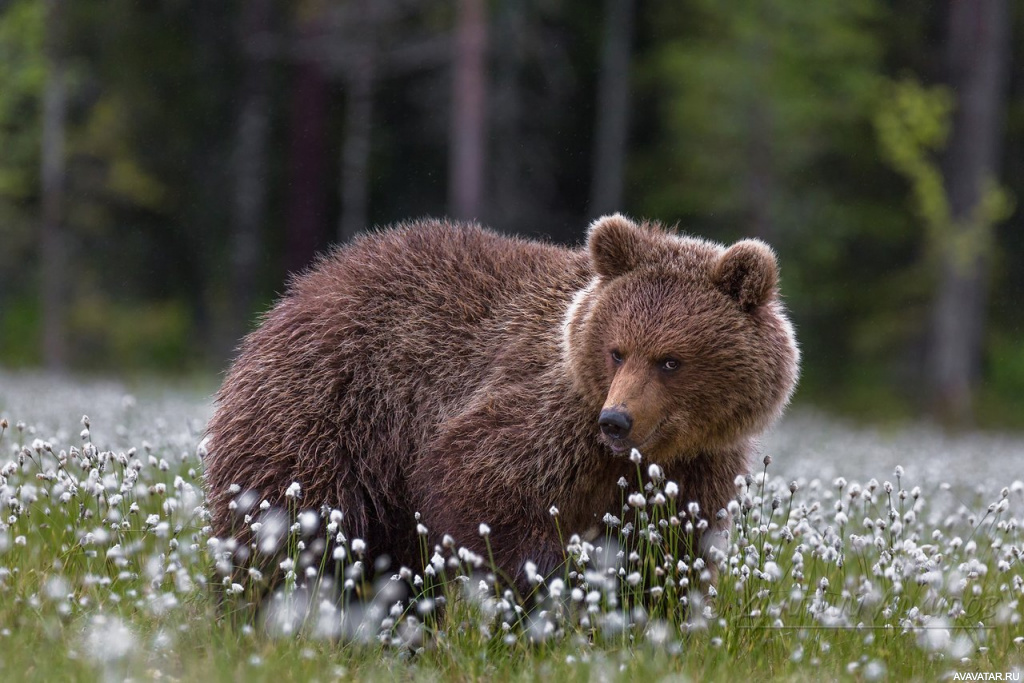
624, 446
618, 446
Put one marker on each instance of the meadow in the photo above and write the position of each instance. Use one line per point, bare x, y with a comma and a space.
857, 553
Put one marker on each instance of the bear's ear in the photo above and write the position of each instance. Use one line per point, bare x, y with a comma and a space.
617, 245
748, 273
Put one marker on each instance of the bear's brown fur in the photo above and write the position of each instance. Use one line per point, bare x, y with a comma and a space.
443, 369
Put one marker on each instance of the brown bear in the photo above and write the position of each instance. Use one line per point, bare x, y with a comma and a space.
442, 369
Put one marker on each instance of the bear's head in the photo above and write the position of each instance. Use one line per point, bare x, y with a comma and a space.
680, 344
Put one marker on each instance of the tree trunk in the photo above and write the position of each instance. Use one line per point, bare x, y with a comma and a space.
760, 180
53, 248
977, 53
355, 149
612, 127
507, 198
250, 171
760, 173
306, 204
465, 177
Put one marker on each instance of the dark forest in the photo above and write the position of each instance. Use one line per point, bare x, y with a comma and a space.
165, 165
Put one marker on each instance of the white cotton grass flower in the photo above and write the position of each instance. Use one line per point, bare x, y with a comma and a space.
108, 639
309, 522
56, 588
874, 670
936, 636
283, 615
772, 571
485, 530
532, 577
270, 531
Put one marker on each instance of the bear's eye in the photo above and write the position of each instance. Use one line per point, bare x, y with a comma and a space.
669, 364
616, 357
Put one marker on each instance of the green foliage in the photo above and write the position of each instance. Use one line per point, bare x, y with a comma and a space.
131, 336
19, 323
22, 73
106, 139
1002, 398
754, 101
912, 123
767, 128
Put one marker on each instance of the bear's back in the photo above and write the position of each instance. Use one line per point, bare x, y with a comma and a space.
435, 293
345, 380
460, 271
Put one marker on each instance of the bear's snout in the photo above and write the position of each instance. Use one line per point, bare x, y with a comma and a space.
615, 423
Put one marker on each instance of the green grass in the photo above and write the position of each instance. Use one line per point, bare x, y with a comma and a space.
104, 574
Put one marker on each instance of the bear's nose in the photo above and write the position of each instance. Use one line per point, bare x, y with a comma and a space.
615, 424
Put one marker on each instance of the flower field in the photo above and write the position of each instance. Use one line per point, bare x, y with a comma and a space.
855, 554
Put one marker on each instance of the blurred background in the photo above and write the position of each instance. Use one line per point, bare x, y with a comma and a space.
166, 164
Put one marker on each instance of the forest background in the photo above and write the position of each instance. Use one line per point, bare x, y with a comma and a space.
166, 164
